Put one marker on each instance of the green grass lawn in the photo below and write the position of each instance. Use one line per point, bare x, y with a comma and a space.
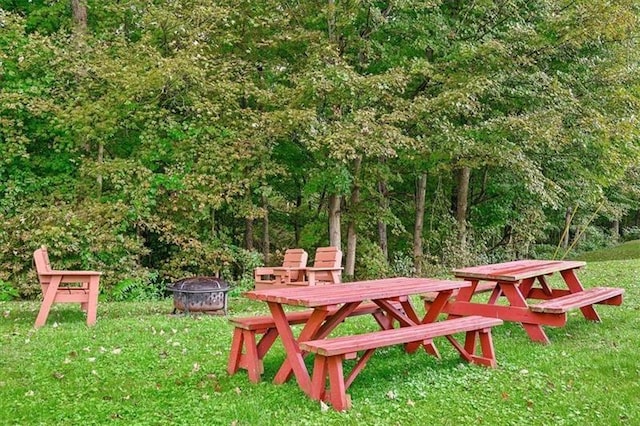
140, 365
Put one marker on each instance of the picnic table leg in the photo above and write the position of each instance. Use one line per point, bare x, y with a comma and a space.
337, 389
515, 298
525, 286
575, 286
294, 363
236, 351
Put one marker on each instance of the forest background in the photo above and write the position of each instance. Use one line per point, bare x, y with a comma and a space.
154, 140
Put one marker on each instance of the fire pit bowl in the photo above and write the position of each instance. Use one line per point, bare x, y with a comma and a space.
200, 294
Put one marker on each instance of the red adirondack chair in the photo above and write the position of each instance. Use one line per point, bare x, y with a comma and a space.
295, 260
84, 292
326, 268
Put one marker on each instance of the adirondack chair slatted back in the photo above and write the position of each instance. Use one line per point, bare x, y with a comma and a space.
295, 258
329, 258
43, 266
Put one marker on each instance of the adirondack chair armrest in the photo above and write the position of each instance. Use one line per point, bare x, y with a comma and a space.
323, 269
334, 271
70, 273
288, 274
262, 270
285, 269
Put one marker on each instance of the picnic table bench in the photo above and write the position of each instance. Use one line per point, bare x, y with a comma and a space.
389, 301
522, 281
331, 352
247, 352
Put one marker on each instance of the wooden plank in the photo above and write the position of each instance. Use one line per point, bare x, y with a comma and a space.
351, 292
517, 270
507, 313
295, 317
377, 339
578, 300
482, 287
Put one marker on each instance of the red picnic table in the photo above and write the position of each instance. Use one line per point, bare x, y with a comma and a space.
332, 304
524, 280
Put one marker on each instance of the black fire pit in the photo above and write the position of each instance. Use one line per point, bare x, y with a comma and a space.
200, 294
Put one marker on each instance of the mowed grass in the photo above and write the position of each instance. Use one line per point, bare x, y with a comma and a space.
141, 365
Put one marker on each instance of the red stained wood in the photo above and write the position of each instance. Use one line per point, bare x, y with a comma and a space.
331, 352
294, 261
516, 270
590, 296
387, 288
517, 280
507, 313
247, 351
480, 288
85, 292
378, 339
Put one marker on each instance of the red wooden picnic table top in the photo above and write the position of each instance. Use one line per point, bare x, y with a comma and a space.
387, 288
516, 270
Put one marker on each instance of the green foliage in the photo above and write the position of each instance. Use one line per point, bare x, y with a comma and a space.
7, 292
131, 289
632, 233
145, 146
371, 263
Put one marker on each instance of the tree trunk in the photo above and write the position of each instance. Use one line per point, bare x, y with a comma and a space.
421, 192
100, 161
79, 12
462, 199
296, 221
567, 223
382, 226
615, 229
213, 221
266, 242
352, 233
334, 221
331, 20
248, 234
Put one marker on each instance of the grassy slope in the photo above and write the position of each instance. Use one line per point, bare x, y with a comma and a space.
628, 250
140, 365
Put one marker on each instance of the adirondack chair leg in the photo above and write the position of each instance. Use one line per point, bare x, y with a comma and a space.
49, 297
92, 303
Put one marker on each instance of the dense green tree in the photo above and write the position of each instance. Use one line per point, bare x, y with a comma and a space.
149, 139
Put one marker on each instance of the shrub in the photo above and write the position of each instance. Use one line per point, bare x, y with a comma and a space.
7, 292
370, 262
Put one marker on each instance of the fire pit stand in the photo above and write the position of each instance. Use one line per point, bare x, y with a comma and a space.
200, 294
